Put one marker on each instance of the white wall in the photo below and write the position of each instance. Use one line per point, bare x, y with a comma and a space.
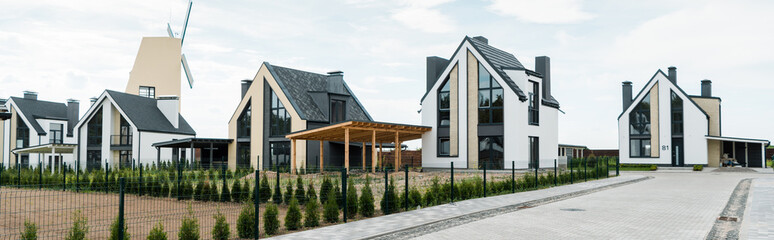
147, 153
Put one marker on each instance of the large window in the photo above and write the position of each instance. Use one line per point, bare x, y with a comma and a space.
444, 146
639, 129
280, 155
148, 92
280, 119
22, 133
490, 98
534, 152
677, 115
93, 159
243, 123
490, 152
338, 111
55, 133
534, 104
243, 154
126, 132
124, 159
94, 128
444, 104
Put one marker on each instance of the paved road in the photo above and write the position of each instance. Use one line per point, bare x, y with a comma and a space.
670, 206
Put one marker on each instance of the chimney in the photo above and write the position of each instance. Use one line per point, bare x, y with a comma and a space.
482, 39
30, 95
543, 66
672, 74
245, 86
93, 100
170, 107
72, 115
335, 82
627, 94
435, 66
706, 88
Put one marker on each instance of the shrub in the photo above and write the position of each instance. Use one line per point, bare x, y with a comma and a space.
264, 191
351, 200
331, 208
172, 188
246, 221
276, 198
114, 230
157, 232
271, 219
414, 198
337, 195
165, 188
236, 191
80, 227
207, 192
311, 195
186, 189
246, 190
225, 194
189, 227
30, 230
300, 193
312, 214
366, 199
698, 168
221, 230
288, 192
213, 191
389, 201
653, 167
325, 187
198, 191
293, 216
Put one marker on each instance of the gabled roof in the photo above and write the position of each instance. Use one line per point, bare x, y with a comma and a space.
648, 83
297, 85
32, 110
145, 114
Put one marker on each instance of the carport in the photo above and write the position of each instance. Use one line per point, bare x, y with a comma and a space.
746, 151
55, 149
214, 151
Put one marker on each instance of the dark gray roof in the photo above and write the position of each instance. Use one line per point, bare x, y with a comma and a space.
37, 109
146, 116
499, 60
297, 86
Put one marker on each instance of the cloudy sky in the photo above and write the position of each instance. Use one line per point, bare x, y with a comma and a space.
76, 49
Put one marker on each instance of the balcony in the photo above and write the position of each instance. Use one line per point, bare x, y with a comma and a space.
120, 142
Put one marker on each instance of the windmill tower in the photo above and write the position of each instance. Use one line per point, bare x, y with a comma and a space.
157, 67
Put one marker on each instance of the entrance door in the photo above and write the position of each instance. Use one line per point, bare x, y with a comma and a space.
490, 152
678, 153
740, 149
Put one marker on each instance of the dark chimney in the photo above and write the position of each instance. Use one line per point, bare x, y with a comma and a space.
30, 95
435, 66
706, 88
245, 86
72, 115
543, 66
627, 94
481, 39
93, 100
336, 82
672, 74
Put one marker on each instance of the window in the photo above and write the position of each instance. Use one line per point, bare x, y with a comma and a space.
490, 98
243, 154
280, 119
22, 133
124, 159
677, 115
93, 159
148, 92
534, 152
444, 104
94, 130
126, 132
443, 146
338, 111
280, 155
639, 129
243, 123
55, 133
534, 104
491, 152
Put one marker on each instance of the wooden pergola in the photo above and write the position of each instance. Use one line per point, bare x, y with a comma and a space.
354, 131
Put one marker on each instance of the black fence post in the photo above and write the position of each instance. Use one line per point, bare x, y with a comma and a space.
513, 176
485, 179
64, 176
452, 182
617, 166
141, 182
121, 209
537, 181
225, 185
406, 190
40, 176
256, 228
343, 190
107, 172
77, 175
555, 174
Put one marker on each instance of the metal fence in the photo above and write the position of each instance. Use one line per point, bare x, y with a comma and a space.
65, 202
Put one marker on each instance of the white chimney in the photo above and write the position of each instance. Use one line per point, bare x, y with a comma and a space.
170, 107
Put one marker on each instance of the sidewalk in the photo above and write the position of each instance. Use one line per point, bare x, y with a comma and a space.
395, 223
758, 221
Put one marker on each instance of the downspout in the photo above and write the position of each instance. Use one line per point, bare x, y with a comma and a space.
139, 147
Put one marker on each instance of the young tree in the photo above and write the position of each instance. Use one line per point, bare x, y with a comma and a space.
270, 219
311, 195
157, 232
331, 208
288, 192
30, 230
300, 193
351, 200
293, 216
311, 214
366, 199
114, 230
246, 221
189, 227
236, 191
221, 230
264, 192
325, 187
80, 227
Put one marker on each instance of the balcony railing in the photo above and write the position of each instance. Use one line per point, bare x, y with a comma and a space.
120, 140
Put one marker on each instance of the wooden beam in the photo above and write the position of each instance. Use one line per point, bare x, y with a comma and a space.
322, 156
373, 151
363, 150
380, 155
397, 151
292, 157
346, 149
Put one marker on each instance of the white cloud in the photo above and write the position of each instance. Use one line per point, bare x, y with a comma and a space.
544, 11
421, 15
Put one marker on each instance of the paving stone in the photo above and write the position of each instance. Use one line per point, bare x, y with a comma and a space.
758, 222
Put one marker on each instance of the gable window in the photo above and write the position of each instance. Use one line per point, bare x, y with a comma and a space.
94, 130
444, 105
534, 104
22, 133
243, 123
148, 92
677, 115
55, 133
443, 146
280, 119
639, 129
490, 98
338, 111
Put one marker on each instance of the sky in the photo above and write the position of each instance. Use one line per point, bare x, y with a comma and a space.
76, 49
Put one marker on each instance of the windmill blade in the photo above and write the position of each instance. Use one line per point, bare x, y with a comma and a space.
169, 31
185, 25
187, 71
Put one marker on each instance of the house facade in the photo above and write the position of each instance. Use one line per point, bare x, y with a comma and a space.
663, 125
488, 110
279, 101
119, 129
32, 123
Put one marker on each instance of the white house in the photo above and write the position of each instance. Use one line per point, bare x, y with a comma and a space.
120, 128
488, 110
663, 125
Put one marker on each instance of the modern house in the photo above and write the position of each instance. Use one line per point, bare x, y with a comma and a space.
567, 151
665, 126
279, 101
33, 129
120, 128
488, 110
